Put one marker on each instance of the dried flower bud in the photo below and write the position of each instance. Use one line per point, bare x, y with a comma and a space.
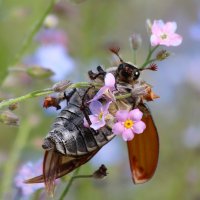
135, 41
101, 172
51, 21
162, 55
51, 102
150, 95
9, 118
61, 86
13, 106
39, 72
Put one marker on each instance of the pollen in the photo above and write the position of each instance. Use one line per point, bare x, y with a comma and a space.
128, 123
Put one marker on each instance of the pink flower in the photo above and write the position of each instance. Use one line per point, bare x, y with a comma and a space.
164, 34
107, 89
99, 114
129, 124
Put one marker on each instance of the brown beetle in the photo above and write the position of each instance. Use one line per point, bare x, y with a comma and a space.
69, 144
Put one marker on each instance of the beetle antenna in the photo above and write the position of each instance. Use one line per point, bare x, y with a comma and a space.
115, 50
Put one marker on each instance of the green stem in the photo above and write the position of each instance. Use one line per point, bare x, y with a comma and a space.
29, 36
150, 61
73, 177
47, 91
27, 96
146, 62
69, 184
43, 92
34, 29
11, 164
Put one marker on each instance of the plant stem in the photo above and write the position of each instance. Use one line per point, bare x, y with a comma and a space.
29, 36
146, 62
47, 91
38, 93
34, 29
69, 184
73, 177
10, 165
27, 96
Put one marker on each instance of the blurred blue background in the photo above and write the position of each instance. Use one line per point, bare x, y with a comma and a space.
72, 41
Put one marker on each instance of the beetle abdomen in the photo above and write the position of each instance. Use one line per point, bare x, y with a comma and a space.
69, 136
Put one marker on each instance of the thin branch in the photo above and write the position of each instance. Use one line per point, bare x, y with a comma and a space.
71, 180
34, 29
43, 92
146, 62
29, 36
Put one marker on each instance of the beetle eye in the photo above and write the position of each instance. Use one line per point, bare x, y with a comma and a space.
136, 74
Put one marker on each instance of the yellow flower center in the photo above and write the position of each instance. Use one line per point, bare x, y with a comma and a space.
164, 36
100, 115
128, 123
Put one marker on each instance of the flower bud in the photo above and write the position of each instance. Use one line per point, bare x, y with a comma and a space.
51, 102
13, 106
162, 55
51, 21
9, 118
101, 172
61, 86
135, 41
148, 25
39, 72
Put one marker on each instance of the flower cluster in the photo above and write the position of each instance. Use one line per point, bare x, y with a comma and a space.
128, 122
125, 123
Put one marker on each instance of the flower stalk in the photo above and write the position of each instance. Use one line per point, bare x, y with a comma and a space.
43, 92
148, 59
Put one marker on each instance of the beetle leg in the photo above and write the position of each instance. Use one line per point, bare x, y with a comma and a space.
84, 106
67, 96
93, 75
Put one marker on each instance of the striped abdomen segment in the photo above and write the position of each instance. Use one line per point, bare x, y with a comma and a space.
69, 136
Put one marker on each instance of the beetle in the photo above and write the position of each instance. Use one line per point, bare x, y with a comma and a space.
69, 144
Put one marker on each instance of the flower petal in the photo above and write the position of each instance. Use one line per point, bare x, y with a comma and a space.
99, 94
157, 27
176, 40
154, 40
98, 124
93, 119
95, 107
109, 80
106, 107
85, 123
118, 128
122, 115
135, 115
127, 135
139, 127
170, 27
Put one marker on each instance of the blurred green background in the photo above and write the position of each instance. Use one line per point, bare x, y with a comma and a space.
90, 25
